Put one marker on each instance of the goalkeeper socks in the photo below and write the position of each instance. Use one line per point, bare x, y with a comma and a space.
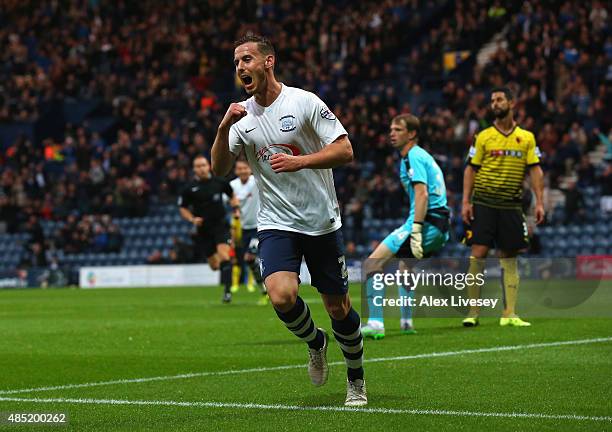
375, 310
348, 335
510, 281
406, 310
299, 322
226, 275
476, 266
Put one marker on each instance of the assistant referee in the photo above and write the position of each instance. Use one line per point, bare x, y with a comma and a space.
492, 191
201, 204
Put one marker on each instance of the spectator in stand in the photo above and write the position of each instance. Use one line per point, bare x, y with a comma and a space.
574, 203
33, 256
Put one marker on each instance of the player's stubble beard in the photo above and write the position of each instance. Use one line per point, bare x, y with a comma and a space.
501, 114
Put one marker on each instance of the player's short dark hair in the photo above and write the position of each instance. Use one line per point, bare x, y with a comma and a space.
409, 121
263, 44
504, 90
199, 156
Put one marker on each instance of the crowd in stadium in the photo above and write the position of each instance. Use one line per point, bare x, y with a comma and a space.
163, 73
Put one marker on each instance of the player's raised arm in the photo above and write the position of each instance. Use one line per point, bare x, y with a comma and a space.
335, 154
222, 158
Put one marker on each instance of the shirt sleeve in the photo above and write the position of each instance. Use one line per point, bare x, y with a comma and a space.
476, 152
533, 152
235, 142
227, 188
324, 122
418, 170
184, 199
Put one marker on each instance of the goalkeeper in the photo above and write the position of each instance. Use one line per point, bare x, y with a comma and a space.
426, 229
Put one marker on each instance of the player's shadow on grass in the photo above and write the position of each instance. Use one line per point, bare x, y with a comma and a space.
276, 342
337, 399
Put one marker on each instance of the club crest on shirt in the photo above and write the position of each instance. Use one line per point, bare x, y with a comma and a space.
287, 123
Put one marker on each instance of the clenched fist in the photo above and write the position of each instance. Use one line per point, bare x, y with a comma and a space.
234, 113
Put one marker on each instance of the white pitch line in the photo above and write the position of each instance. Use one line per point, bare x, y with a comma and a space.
337, 363
281, 407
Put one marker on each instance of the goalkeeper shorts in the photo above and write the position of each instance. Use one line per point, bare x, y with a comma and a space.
399, 240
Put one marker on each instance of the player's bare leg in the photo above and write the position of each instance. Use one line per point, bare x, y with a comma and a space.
510, 282
213, 262
283, 291
347, 331
375, 327
476, 265
225, 266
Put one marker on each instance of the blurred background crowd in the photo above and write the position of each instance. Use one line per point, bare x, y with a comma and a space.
104, 104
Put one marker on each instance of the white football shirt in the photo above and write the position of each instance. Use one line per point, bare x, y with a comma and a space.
248, 196
297, 123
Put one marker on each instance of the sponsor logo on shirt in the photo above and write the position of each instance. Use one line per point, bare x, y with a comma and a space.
511, 153
264, 153
287, 123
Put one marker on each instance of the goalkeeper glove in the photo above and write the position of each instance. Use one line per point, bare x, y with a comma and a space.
416, 240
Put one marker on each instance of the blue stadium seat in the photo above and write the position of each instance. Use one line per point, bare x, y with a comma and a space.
588, 229
601, 229
547, 230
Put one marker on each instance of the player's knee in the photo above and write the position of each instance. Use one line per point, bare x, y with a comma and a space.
213, 263
372, 265
282, 292
282, 300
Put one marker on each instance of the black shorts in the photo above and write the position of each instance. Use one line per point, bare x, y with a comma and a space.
208, 237
504, 229
324, 255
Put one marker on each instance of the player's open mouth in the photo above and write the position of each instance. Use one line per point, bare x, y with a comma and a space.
246, 79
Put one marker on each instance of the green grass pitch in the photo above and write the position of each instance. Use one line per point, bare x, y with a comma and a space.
57, 338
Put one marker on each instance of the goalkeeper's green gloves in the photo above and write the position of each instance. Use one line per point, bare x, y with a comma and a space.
416, 240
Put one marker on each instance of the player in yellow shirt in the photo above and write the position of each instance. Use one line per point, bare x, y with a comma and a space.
492, 190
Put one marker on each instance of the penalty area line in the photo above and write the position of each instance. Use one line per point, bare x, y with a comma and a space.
299, 366
280, 407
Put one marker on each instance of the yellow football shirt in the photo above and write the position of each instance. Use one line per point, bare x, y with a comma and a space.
501, 161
